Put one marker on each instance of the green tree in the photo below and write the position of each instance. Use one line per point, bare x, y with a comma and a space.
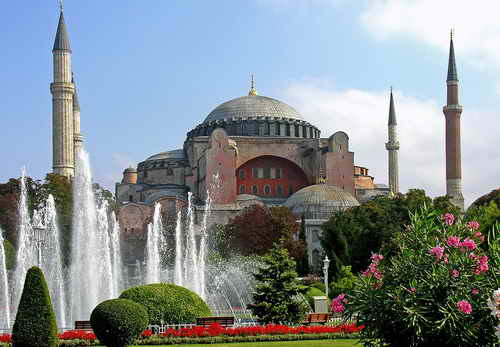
276, 295
35, 324
350, 237
344, 284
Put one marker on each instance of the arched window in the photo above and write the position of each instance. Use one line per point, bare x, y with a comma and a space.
315, 236
290, 190
170, 171
145, 174
267, 189
316, 258
279, 190
255, 189
242, 174
130, 198
242, 189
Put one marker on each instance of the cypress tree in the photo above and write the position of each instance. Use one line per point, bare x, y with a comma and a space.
276, 296
35, 324
303, 263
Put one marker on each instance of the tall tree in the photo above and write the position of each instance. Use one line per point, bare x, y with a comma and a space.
276, 293
303, 262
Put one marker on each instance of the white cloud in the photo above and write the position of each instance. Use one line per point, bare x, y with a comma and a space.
476, 25
363, 115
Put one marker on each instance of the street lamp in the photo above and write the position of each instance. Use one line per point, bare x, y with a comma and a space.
38, 230
326, 264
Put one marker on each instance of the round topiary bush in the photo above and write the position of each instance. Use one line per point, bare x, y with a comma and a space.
167, 303
35, 324
118, 322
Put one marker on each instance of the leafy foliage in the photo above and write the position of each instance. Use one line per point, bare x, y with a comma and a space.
485, 200
303, 262
349, 237
311, 293
167, 303
35, 324
433, 292
344, 284
118, 322
276, 293
257, 228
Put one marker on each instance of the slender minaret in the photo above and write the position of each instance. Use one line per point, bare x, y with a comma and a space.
77, 136
452, 112
392, 147
62, 89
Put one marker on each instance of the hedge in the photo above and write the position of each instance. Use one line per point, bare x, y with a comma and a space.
35, 324
167, 303
118, 322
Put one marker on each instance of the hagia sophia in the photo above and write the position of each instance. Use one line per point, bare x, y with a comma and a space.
252, 149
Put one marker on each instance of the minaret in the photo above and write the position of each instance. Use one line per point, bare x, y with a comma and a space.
392, 147
452, 112
77, 136
62, 89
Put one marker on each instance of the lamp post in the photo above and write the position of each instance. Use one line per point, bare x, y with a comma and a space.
39, 243
326, 264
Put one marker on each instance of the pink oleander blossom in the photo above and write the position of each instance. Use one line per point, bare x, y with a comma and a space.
338, 303
376, 258
453, 241
481, 265
411, 290
474, 291
455, 273
467, 244
437, 251
464, 306
449, 219
473, 225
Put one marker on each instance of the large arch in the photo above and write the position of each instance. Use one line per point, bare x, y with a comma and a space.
270, 177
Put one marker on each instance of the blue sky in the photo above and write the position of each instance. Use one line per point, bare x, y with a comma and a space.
149, 71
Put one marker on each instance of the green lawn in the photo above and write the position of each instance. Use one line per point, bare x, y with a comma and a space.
308, 343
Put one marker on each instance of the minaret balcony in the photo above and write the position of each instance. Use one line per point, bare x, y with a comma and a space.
392, 145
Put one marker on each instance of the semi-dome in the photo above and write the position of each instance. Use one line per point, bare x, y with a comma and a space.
175, 154
253, 106
320, 201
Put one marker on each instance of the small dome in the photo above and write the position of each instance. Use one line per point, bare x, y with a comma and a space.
320, 201
253, 106
175, 154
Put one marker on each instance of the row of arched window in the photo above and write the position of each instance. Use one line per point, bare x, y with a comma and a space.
266, 190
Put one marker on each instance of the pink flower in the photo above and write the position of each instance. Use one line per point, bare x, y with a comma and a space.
464, 306
453, 241
467, 244
449, 219
473, 225
481, 265
411, 290
455, 273
474, 291
437, 251
478, 235
376, 258
338, 303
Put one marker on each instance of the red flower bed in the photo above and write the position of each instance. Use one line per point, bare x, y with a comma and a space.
270, 329
77, 335
6, 338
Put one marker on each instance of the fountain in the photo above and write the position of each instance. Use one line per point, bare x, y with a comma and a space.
91, 274
39, 246
116, 256
4, 289
155, 247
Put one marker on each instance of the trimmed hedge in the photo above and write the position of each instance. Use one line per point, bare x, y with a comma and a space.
118, 322
311, 292
35, 324
167, 303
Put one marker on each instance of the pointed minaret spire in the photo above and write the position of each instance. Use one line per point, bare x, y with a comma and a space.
452, 112
252, 91
63, 90
392, 147
61, 42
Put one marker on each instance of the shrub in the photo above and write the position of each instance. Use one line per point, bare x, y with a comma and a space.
118, 322
433, 292
344, 283
167, 303
35, 324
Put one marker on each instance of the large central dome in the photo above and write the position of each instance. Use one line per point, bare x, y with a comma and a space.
253, 106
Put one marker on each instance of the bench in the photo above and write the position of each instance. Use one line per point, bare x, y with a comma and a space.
207, 321
317, 318
83, 325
